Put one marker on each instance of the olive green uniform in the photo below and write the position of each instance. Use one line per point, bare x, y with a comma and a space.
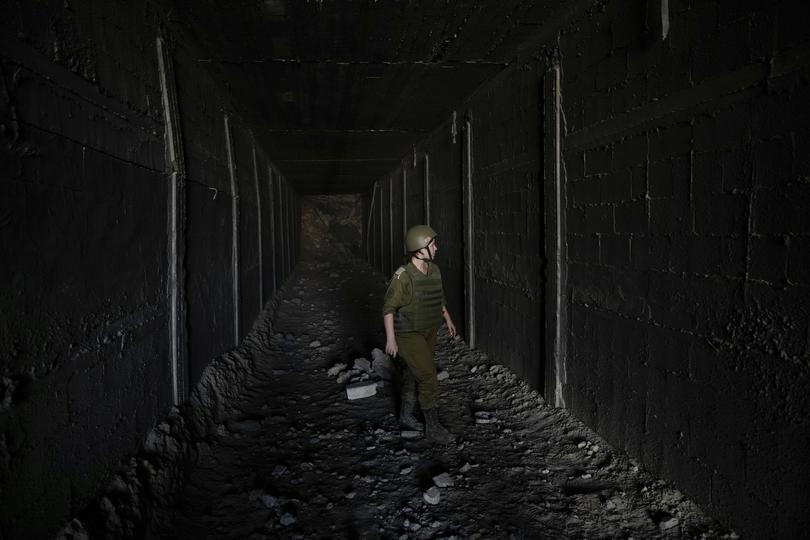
416, 300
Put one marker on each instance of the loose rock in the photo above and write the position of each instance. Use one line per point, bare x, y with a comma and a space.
432, 495
361, 390
443, 480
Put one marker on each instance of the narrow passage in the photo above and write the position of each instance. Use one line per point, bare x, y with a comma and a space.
296, 459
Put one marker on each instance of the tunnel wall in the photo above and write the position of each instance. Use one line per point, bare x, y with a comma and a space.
85, 316
685, 238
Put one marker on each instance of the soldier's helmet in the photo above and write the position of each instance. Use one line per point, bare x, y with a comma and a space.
418, 237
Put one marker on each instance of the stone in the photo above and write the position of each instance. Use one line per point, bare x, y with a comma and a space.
442, 375
362, 364
484, 417
315, 344
377, 354
432, 495
668, 524
410, 434
384, 367
361, 390
465, 468
443, 480
287, 519
268, 501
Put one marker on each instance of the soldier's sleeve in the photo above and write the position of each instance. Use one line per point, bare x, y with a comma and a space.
398, 293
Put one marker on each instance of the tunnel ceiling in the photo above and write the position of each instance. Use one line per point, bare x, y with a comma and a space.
339, 91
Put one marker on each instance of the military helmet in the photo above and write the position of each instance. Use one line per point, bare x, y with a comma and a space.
417, 237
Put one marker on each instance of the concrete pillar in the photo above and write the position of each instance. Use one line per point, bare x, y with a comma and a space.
177, 224
234, 227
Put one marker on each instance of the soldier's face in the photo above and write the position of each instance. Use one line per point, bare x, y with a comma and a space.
432, 247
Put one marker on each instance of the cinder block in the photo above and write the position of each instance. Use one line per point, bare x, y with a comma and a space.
614, 250
737, 166
782, 212
598, 161
650, 252
768, 259
669, 216
617, 186
575, 219
721, 215
588, 191
361, 390
724, 50
707, 174
799, 260
733, 257
599, 219
597, 107
583, 248
631, 217
672, 141
801, 157
630, 152
639, 181
575, 165
670, 178
772, 162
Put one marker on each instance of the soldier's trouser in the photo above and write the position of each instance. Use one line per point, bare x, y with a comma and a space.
419, 378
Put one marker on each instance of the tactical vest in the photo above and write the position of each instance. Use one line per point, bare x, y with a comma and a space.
425, 309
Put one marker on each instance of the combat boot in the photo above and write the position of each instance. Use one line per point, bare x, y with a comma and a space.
406, 417
434, 431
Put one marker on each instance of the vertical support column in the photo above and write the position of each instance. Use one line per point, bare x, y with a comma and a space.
427, 189
175, 158
234, 228
259, 225
390, 269
272, 226
290, 231
369, 255
404, 201
381, 223
469, 228
283, 223
556, 295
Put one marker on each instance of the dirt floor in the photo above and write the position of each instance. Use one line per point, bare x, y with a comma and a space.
297, 459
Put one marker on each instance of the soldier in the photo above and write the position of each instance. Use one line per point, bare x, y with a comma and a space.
413, 309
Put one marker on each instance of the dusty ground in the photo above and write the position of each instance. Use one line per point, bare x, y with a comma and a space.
297, 459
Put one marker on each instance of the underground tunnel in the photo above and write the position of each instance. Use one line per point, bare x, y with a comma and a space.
204, 203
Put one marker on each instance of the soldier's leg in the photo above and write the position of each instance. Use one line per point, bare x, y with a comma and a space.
418, 356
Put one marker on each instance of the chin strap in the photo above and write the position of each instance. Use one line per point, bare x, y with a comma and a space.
430, 257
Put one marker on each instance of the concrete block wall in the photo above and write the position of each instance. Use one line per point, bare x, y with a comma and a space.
393, 197
507, 221
684, 218
85, 313
685, 200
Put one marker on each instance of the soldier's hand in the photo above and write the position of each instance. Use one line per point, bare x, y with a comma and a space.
391, 347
